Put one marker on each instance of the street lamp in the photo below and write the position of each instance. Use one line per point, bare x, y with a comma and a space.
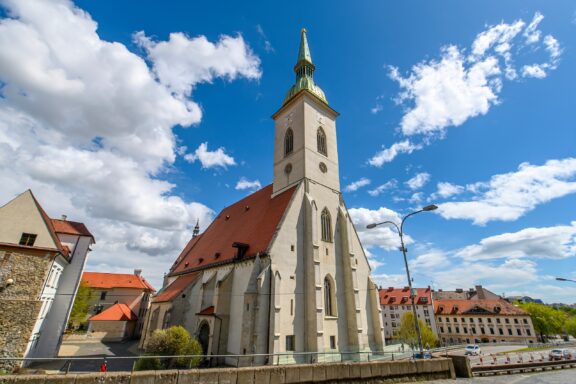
400, 230
563, 279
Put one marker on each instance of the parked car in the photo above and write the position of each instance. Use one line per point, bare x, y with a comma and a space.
424, 355
560, 354
472, 349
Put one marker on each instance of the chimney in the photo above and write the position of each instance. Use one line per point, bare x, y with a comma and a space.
63, 217
137, 272
480, 292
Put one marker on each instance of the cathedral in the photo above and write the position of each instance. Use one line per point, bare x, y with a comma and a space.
280, 274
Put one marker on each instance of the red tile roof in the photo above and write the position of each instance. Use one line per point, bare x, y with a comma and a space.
207, 311
401, 296
252, 220
176, 288
463, 307
102, 280
71, 228
117, 312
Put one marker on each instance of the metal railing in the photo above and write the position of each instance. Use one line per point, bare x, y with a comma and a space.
128, 363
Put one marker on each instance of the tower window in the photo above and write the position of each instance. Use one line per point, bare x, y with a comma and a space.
329, 309
321, 141
326, 225
288, 142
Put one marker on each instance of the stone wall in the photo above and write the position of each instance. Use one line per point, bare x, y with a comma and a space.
368, 372
19, 302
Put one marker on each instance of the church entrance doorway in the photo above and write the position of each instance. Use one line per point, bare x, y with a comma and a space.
204, 336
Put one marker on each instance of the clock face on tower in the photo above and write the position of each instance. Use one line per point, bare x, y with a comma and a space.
323, 168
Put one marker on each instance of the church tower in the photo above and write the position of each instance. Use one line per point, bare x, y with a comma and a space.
305, 131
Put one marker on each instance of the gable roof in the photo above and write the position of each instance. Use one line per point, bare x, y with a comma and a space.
101, 280
463, 307
401, 296
252, 221
70, 228
117, 312
180, 284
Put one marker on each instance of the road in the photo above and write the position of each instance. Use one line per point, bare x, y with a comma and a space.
94, 352
554, 377
494, 355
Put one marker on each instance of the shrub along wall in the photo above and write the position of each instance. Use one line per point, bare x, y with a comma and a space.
386, 371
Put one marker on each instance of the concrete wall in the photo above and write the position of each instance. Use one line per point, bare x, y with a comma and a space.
367, 372
54, 325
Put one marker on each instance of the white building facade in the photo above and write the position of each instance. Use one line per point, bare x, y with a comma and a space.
281, 272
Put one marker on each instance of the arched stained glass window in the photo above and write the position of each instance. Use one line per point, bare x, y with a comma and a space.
329, 304
288, 142
326, 225
321, 141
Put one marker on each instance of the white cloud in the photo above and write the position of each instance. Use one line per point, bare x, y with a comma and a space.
210, 159
390, 280
448, 91
553, 47
244, 183
353, 187
88, 126
267, 44
418, 181
497, 276
181, 62
445, 190
532, 33
534, 70
386, 155
376, 109
508, 196
383, 236
431, 260
383, 187
549, 242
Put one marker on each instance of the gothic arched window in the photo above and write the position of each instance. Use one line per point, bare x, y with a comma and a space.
329, 305
321, 141
288, 142
326, 225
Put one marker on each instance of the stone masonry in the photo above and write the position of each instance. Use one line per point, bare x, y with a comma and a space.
20, 302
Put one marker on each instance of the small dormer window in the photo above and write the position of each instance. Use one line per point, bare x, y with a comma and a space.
28, 239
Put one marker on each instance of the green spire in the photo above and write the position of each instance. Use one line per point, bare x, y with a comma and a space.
304, 70
304, 52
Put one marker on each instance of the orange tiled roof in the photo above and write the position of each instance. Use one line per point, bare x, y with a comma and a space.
207, 311
101, 280
463, 307
71, 228
117, 312
252, 220
401, 296
176, 288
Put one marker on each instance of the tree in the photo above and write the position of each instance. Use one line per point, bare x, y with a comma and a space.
570, 326
408, 335
546, 320
81, 307
174, 341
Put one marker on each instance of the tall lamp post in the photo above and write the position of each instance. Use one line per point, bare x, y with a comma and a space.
400, 230
563, 279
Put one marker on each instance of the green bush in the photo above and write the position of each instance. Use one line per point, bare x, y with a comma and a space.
149, 364
174, 341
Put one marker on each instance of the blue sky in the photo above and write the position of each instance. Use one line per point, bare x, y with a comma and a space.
140, 119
